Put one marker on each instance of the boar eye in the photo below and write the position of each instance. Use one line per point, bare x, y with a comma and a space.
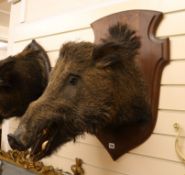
73, 79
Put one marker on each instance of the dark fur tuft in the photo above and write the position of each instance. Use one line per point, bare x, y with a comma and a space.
125, 36
121, 45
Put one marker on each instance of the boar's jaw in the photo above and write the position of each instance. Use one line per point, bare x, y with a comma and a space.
48, 140
56, 134
43, 145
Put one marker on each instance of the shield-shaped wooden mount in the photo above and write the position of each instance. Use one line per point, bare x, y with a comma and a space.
153, 56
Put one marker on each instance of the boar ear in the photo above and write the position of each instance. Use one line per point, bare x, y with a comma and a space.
121, 45
106, 54
33, 46
35, 51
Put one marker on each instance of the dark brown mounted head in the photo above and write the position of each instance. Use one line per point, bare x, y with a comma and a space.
91, 87
23, 78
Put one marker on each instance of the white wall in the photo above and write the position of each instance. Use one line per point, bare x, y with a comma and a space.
3, 53
3, 33
3, 37
52, 26
4, 23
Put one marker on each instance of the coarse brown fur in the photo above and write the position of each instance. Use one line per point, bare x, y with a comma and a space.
91, 87
23, 78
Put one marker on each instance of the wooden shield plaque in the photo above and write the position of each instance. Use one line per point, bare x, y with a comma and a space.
153, 56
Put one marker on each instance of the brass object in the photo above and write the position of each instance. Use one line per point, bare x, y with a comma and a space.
177, 142
176, 126
22, 160
77, 169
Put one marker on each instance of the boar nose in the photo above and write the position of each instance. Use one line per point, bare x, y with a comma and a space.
15, 143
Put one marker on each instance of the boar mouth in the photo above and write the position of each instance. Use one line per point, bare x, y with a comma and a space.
43, 144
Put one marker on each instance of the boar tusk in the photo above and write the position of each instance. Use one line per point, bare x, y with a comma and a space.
44, 145
45, 131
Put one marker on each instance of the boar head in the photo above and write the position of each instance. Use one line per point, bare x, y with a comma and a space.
91, 87
23, 78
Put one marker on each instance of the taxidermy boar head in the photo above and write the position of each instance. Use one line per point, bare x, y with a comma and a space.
91, 87
23, 78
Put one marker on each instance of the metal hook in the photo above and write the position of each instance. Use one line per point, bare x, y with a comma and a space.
177, 140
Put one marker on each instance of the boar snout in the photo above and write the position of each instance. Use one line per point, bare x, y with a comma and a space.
15, 143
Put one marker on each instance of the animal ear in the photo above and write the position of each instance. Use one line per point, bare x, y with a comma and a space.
33, 46
107, 54
121, 45
35, 51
